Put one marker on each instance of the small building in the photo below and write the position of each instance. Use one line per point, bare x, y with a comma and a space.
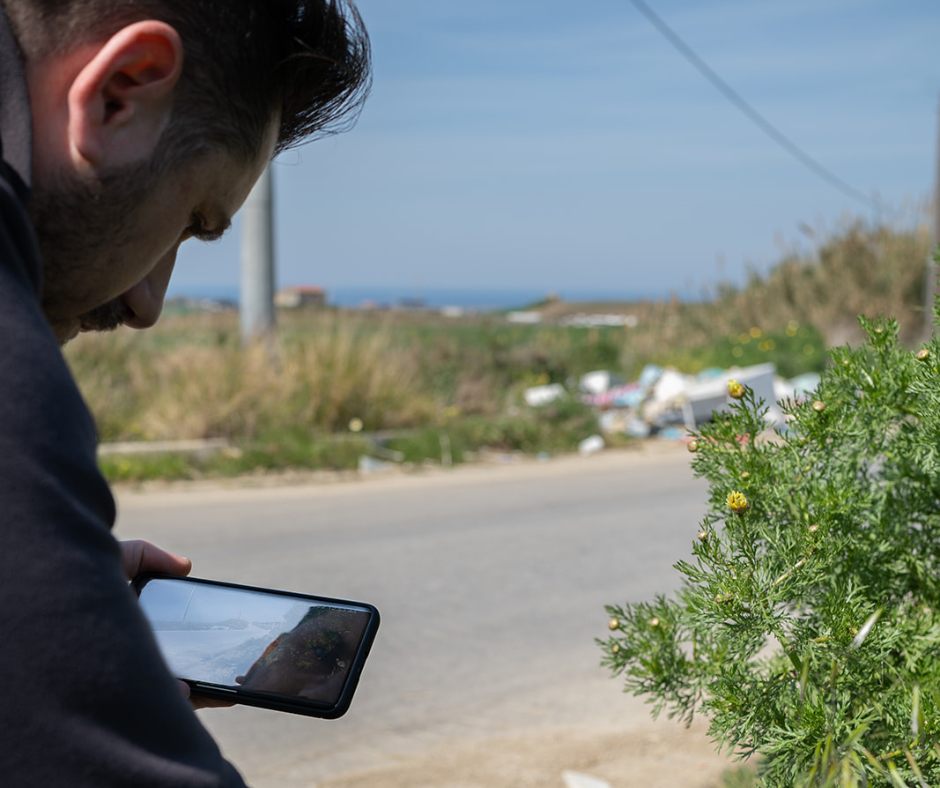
300, 297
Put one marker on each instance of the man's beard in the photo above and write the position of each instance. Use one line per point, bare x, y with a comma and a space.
83, 227
107, 317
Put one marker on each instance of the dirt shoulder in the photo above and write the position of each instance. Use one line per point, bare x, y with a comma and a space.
661, 755
642, 452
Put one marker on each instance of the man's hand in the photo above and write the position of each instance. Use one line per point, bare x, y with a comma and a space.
138, 557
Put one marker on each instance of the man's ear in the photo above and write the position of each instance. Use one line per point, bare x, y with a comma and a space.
121, 100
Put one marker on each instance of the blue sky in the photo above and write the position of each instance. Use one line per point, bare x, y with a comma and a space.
558, 146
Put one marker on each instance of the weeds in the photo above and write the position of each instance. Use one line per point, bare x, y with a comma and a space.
419, 372
806, 628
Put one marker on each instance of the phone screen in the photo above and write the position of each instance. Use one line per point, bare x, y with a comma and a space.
259, 641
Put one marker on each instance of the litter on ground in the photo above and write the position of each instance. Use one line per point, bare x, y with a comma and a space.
667, 404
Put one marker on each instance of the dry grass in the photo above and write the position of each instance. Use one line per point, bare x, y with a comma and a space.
190, 377
858, 271
164, 386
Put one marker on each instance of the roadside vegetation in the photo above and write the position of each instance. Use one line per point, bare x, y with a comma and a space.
806, 627
419, 387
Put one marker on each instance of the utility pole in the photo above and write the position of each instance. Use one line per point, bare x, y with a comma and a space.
257, 287
930, 274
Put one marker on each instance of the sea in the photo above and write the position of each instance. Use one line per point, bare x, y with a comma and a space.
476, 299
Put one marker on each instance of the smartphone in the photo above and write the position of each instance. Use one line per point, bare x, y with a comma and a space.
274, 649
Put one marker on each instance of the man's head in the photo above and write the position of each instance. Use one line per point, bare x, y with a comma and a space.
153, 118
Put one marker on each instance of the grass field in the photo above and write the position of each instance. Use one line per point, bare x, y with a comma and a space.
435, 387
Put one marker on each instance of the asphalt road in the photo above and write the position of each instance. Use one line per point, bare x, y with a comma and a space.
491, 582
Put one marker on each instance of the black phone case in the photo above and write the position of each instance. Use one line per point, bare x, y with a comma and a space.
263, 700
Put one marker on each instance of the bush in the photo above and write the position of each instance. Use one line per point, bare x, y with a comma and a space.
560, 426
807, 628
857, 268
180, 383
795, 350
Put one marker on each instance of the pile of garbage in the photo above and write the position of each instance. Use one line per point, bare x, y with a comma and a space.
667, 403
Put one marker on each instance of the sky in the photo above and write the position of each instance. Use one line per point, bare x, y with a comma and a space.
178, 601
564, 147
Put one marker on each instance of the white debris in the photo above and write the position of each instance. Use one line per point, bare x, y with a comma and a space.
622, 421
670, 386
666, 402
598, 382
600, 321
525, 317
804, 385
783, 389
369, 465
578, 780
591, 445
537, 396
704, 397
666, 397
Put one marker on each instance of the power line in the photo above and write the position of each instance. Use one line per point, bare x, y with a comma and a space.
741, 103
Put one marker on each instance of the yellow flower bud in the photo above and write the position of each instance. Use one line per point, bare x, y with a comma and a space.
813, 528
819, 406
737, 502
613, 624
745, 475
923, 354
692, 446
736, 390
615, 649
654, 622
703, 536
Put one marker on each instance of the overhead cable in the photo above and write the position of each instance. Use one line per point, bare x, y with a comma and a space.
759, 120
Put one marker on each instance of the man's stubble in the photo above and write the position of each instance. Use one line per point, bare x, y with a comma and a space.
84, 229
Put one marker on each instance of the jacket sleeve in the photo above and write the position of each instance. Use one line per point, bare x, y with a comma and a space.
87, 699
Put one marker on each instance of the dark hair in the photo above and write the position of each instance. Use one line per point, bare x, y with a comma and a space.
309, 60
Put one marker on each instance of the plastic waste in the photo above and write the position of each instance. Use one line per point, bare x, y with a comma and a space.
591, 445
537, 396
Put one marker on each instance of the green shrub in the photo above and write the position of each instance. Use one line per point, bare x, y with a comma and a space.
797, 349
138, 468
557, 427
807, 628
271, 451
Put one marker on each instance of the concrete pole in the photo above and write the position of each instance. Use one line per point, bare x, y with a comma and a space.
257, 287
931, 264
930, 270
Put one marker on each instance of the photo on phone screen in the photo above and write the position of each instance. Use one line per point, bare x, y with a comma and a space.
255, 640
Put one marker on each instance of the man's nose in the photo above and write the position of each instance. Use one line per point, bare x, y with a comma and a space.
145, 299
